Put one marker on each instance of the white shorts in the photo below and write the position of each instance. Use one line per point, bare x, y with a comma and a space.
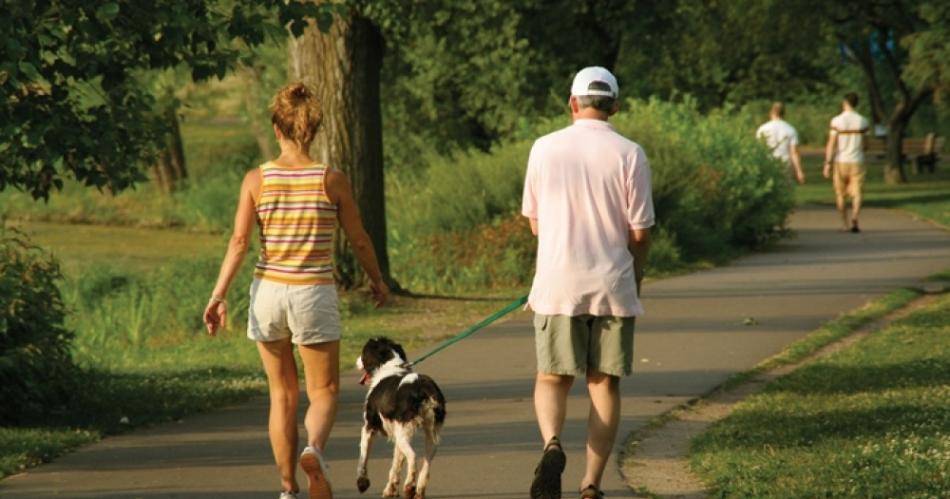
309, 314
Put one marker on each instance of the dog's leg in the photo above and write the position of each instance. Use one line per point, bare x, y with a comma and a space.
366, 441
432, 439
392, 487
403, 440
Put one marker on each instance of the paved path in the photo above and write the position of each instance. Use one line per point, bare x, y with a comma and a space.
692, 339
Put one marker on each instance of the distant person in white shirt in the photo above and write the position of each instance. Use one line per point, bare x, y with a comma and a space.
844, 159
782, 139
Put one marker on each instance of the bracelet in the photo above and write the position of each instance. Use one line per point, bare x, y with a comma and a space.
217, 299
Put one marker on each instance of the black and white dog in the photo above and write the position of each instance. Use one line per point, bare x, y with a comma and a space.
399, 403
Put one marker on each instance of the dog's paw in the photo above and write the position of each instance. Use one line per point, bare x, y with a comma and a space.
391, 490
409, 492
362, 483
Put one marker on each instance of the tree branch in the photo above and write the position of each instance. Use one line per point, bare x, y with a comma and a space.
892, 61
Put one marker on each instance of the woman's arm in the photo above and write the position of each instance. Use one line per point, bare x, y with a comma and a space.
244, 219
341, 193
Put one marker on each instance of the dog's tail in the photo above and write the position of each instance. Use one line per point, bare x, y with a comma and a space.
433, 415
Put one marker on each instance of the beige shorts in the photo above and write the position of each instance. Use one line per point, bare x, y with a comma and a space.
848, 179
308, 314
573, 345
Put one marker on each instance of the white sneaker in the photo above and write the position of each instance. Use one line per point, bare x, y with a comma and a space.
316, 469
288, 495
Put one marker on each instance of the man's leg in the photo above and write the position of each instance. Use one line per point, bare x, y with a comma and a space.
602, 423
857, 192
840, 183
550, 403
558, 347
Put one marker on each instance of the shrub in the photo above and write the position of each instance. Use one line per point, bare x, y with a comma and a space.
35, 362
716, 190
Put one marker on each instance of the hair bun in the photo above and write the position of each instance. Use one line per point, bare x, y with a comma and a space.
299, 91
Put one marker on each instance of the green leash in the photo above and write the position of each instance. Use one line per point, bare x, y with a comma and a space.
511, 307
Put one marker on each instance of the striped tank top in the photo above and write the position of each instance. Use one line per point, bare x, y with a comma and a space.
297, 222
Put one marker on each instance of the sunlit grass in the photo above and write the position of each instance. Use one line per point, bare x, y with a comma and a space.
870, 421
926, 195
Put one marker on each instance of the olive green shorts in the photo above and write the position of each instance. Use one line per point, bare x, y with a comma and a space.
573, 345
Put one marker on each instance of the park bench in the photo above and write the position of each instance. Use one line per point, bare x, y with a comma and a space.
924, 150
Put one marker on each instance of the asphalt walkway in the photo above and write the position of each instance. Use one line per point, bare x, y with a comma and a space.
692, 339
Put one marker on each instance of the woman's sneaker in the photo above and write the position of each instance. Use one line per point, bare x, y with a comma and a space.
591, 492
316, 470
288, 495
547, 476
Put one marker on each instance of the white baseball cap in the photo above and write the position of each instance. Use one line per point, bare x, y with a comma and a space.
591, 74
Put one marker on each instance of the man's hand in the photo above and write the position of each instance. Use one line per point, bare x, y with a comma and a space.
800, 175
826, 171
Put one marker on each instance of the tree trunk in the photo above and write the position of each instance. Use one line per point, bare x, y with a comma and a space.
343, 67
252, 105
170, 170
900, 118
894, 166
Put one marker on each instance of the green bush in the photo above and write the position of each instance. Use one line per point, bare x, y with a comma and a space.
716, 190
35, 364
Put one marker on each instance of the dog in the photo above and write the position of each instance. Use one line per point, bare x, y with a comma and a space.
399, 403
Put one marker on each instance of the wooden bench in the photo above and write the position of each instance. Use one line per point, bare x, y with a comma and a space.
924, 150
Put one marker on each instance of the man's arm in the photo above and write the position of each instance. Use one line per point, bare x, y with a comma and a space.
829, 152
639, 246
797, 163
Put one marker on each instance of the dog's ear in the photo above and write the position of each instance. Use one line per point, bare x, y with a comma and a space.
371, 355
402, 353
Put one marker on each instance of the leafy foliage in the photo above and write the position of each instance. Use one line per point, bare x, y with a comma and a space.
716, 190
71, 99
35, 363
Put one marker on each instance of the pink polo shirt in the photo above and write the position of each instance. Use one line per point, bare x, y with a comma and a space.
587, 186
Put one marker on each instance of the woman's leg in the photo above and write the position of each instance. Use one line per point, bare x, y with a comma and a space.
281, 369
321, 365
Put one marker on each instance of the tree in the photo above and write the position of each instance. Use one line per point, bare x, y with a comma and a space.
342, 62
723, 52
912, 64
71, 100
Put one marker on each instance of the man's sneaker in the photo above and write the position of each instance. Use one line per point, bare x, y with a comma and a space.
313, 466
592, 492
547, 476
854, 226
288, 495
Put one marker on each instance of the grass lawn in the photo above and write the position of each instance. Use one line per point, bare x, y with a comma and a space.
135, 298
871, 421
925, 195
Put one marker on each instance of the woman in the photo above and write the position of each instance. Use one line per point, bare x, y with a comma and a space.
297, 204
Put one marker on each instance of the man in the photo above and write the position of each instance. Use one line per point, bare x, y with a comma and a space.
782, 139
844, 159
587, 196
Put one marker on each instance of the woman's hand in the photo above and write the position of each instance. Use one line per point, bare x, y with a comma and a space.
215, 314
380, 292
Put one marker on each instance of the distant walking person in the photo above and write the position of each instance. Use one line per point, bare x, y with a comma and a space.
844, 160
297, 203
587, 195
782, 138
